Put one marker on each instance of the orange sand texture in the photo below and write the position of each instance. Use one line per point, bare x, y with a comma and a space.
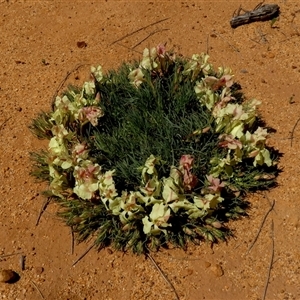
38, 44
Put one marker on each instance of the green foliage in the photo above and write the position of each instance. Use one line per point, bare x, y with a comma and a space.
157, 120
158, 151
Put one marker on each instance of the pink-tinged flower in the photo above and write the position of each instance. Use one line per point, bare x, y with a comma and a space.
161, 50
211, 81
87, 173
217, 83
80, 151
91, 114
79, 148
186, 161
226, 80
215, 183
189, 180
86, 177
228, 141
185, 166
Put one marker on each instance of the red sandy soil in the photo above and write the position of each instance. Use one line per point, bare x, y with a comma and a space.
38, 44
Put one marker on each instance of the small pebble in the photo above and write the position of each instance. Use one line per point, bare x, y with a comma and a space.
244, 71
217, 270
109, 251
271, 55
81, 44
8, 276
39, 270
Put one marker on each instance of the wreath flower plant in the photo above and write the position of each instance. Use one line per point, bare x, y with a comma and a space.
158, 152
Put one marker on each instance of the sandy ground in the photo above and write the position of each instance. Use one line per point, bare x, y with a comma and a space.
38, 44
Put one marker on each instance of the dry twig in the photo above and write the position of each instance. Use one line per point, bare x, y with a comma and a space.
293, 130
262, 12
72, 241
261, 226
163, 275
207, 44
138, 30
4, 122
37, 289
262, 35
7, 255
150, 34
271, 262
233, 47
128, 48
83, 255
270, 202
22, 262
43, 208
64, 80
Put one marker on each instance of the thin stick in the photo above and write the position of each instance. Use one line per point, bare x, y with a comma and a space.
129, 48
64, 80
269, 200
43, 208
261, 226
72, 241
292, 134
83, 255
7, 255
271, 262
4, 122
150, 34
163, 275
233, 47
207, 43
262, 36
138, 30
37, 289
22, 262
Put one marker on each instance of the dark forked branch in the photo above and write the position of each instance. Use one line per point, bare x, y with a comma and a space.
262, 12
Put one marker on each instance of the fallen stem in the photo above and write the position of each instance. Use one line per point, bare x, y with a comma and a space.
37, 289
261, 226
64, 80
83, 255
43, 208
269, 200
4, 122
138, 30
7, 255
163, 275
150, 34
232, 46
128, 48
72, 241
207, 44
293, 130
271, 262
